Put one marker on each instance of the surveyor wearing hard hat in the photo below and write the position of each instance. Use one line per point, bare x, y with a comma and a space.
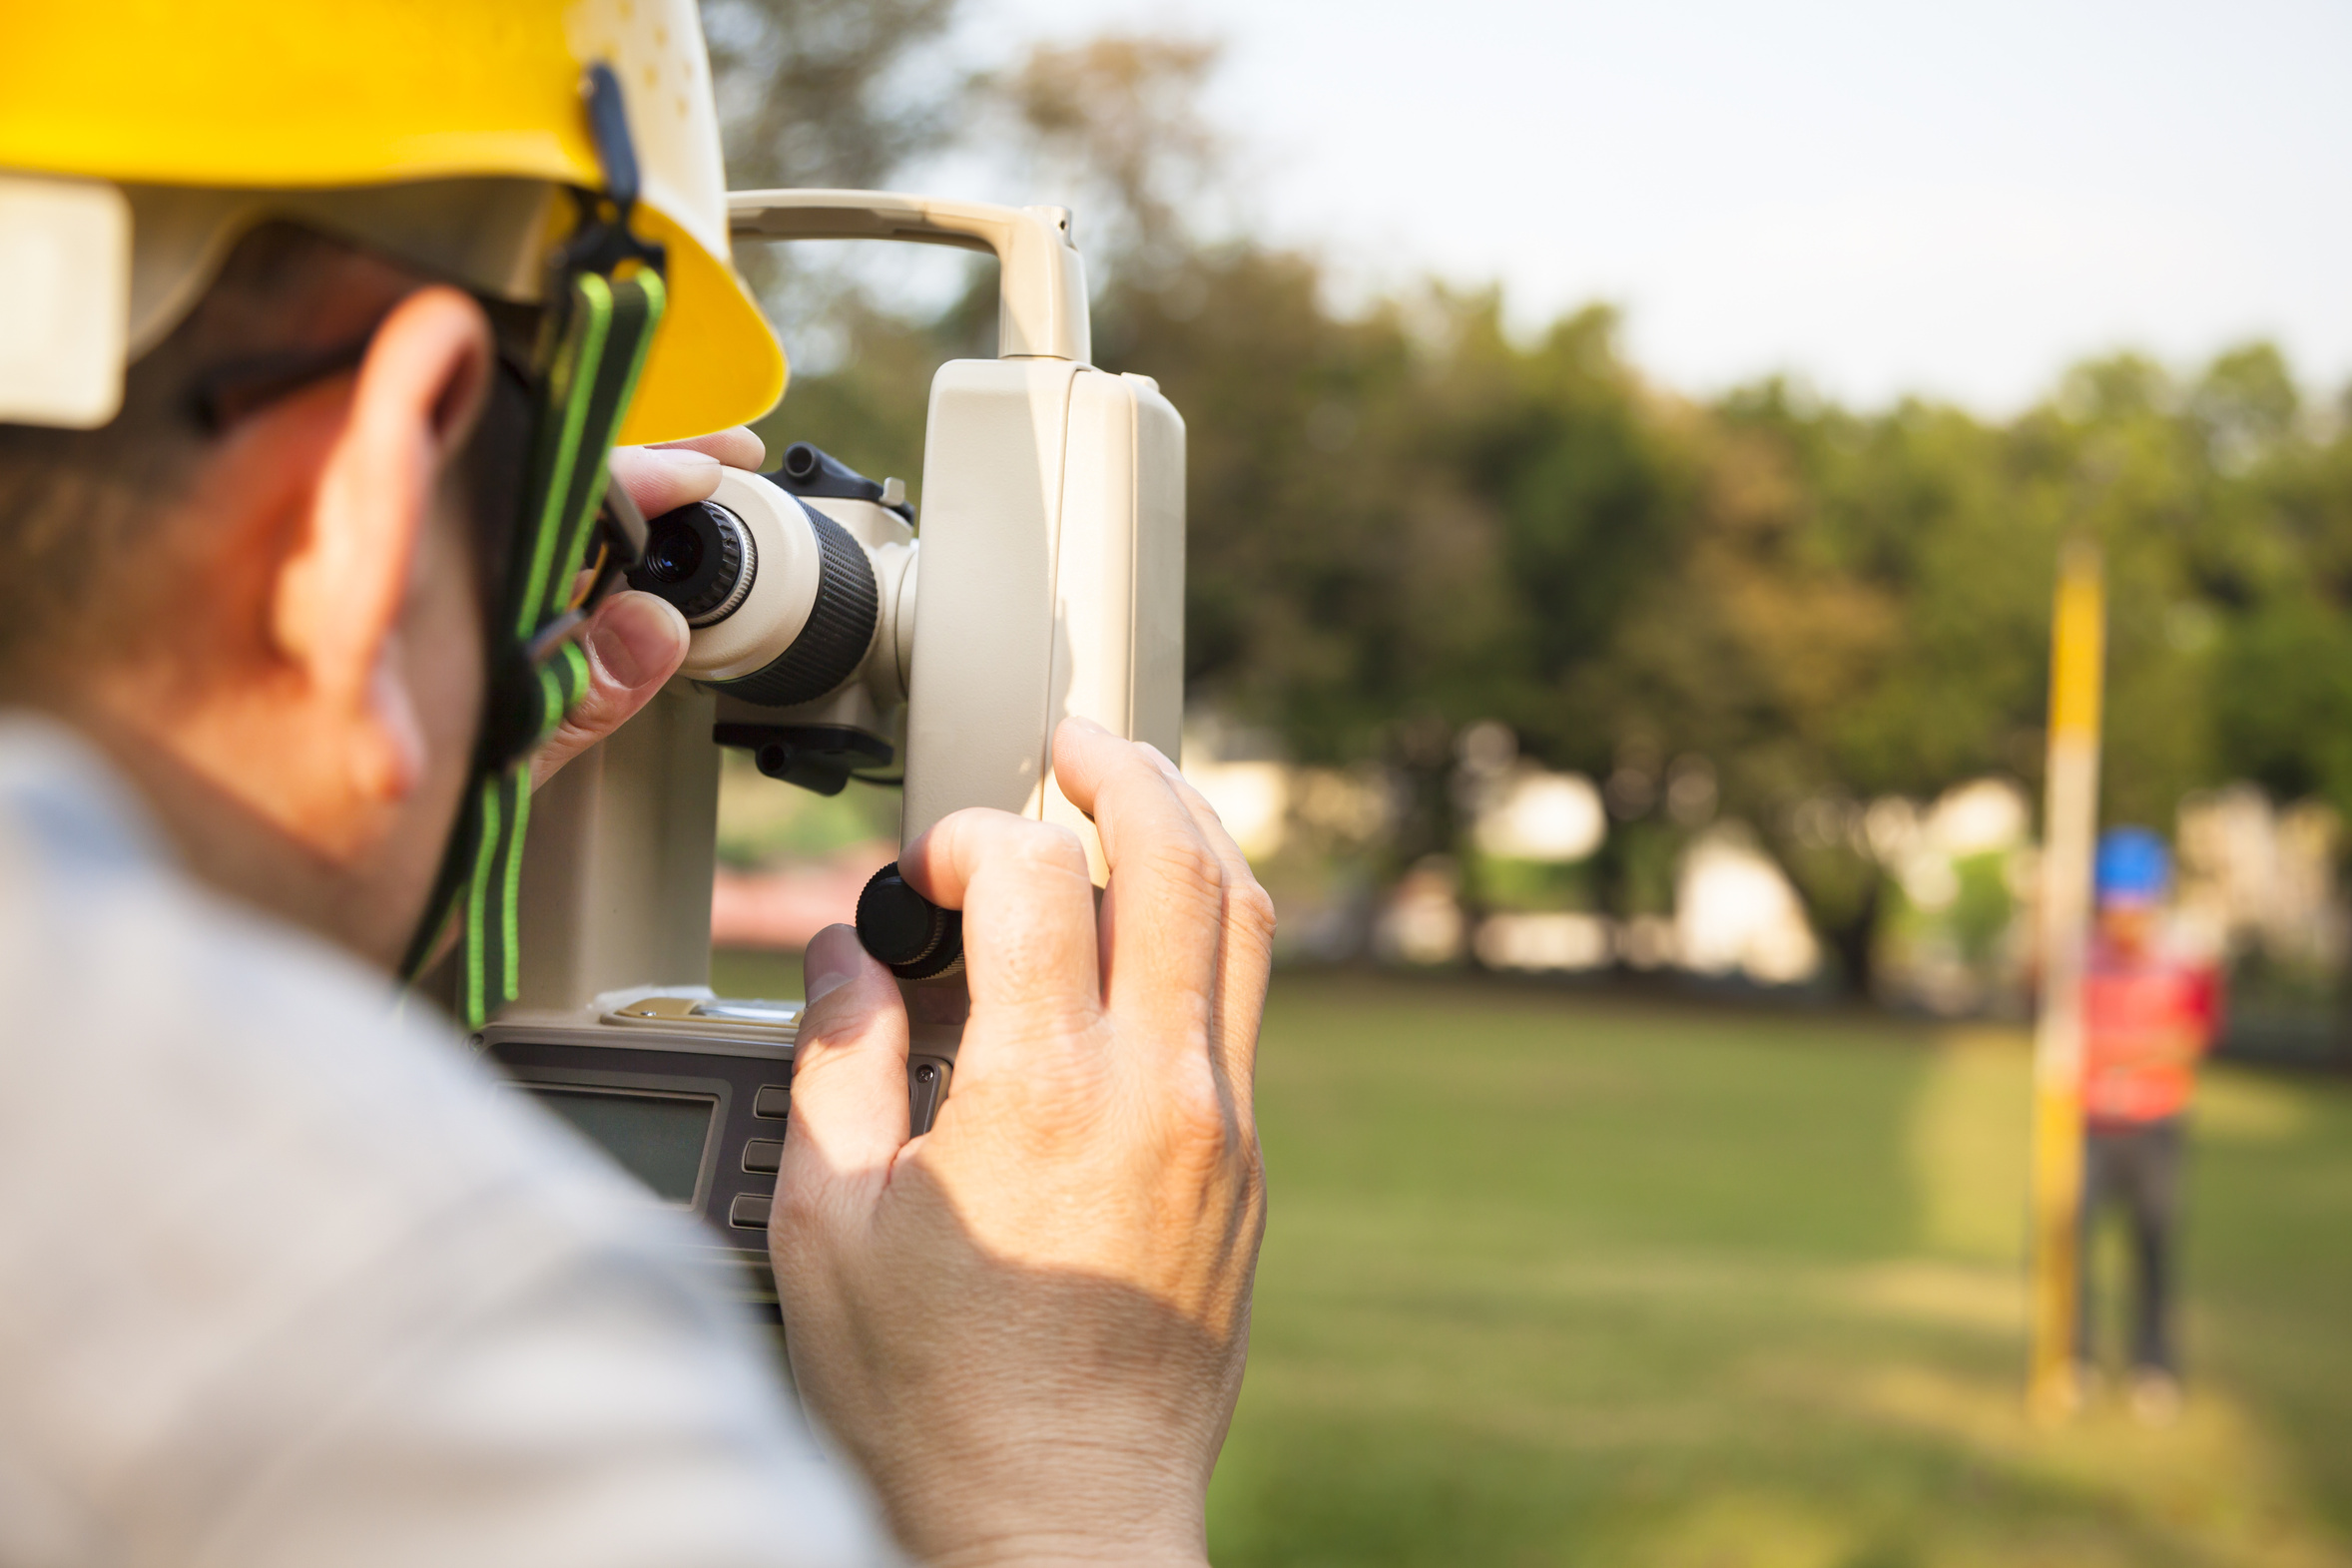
318, 327
2152, 1006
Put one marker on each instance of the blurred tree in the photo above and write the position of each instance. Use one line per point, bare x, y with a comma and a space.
1759, 643
1113, 130
829, 91
2274, 563
1341, 583
839, 93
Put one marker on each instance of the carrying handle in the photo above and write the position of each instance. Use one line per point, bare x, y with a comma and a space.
1041, 305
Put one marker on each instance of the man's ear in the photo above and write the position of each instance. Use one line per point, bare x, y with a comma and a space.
335, 606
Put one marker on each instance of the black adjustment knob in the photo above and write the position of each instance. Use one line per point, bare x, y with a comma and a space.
811, 471
803, 461
916, 938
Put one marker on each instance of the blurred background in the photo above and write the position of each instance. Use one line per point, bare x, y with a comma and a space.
1630, 453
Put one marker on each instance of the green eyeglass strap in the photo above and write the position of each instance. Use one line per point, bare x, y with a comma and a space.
608, 325
489, 947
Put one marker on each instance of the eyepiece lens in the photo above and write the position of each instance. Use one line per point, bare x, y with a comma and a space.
698, 557
673, 555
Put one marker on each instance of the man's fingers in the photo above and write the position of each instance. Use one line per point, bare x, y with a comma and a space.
662, 481
635, 643
665, 477
1166, 894
1244, 956
1029, 914
737, 447
848, 1092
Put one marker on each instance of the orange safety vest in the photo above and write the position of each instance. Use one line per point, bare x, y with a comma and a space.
2146, 1021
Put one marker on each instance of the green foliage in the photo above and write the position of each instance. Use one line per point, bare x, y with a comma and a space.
761, 820
1498, 882
1982, 913
2288, 671
871, 416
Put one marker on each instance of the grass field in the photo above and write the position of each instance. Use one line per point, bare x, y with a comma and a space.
1551, 1280
1555, 1280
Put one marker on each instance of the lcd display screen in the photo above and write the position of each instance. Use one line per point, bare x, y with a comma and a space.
657, 1138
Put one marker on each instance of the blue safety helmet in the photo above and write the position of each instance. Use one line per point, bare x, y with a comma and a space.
2134, 867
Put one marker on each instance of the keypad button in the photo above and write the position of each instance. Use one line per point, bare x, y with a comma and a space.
750, 1210
773, 1100
764, 1156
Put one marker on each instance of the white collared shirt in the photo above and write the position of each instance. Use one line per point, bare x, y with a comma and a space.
286, 1280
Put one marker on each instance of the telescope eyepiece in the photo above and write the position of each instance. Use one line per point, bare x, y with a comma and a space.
672, 556
701, 558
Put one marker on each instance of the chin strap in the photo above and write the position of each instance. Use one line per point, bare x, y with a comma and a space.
609, 295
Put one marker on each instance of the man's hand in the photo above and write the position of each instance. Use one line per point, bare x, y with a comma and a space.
636, 642
1028, 1324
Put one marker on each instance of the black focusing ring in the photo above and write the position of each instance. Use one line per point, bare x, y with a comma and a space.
839, 630
728, 581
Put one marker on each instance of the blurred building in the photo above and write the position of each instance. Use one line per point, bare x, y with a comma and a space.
1735, 912
2260, 881
2258, 886
1541, 885
1252, 799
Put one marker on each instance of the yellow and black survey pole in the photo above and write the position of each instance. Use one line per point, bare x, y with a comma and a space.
2071, 823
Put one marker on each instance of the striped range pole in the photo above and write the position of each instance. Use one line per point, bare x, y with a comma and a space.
2070, 822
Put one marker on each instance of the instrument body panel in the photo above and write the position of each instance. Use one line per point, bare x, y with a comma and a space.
697, 1114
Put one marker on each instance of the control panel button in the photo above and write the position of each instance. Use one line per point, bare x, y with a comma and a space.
773, 1100
750, 1210
764, 1156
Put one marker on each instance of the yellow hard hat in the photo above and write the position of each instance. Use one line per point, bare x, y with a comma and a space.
279, 96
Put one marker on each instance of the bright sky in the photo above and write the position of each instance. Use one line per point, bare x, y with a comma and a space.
1957, 198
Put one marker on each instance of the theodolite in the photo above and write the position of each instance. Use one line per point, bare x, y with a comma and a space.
834, 640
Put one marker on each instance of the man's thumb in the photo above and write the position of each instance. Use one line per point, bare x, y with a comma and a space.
848, 1106
635, 643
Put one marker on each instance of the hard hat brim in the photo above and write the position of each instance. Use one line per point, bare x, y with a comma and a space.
716, 361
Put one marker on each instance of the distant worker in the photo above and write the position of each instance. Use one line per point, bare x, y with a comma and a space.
2150, 1012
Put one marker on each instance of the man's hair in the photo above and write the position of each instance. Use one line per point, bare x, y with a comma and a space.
95, 548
